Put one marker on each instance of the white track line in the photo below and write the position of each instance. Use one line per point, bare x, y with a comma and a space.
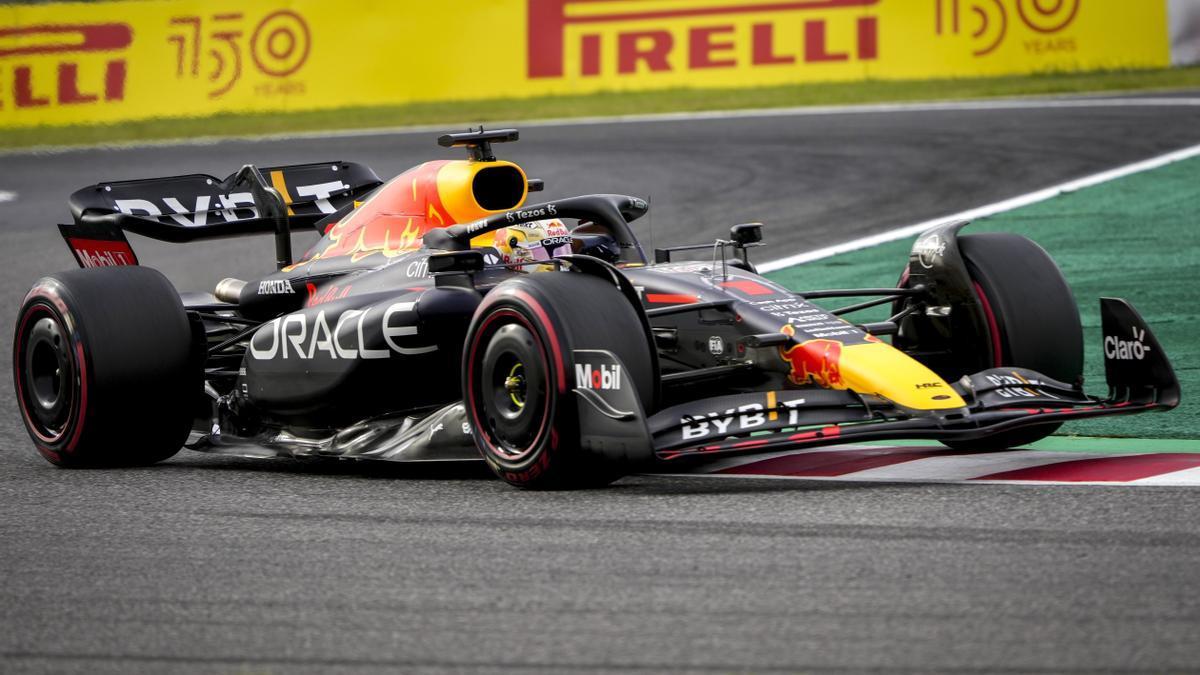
948, 467
1029, 103
1184, 477
964, 467
983, 211
1153, 481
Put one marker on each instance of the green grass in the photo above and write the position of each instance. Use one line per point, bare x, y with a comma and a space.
600, 104
1136, 238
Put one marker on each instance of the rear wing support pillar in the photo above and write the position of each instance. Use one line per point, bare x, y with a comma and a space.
273, 207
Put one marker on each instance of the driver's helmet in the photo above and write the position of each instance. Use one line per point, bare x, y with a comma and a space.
538, 241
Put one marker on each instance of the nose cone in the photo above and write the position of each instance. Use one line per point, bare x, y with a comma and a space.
873, 368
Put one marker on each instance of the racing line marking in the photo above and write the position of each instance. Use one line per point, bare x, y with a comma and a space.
983, 211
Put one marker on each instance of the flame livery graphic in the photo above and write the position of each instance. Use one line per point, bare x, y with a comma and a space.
394, 219
390, 223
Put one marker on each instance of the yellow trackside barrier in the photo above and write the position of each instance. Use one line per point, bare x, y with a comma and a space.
73, 63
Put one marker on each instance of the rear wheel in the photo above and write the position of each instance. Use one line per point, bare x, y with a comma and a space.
104, 367
1030, 321
517, 379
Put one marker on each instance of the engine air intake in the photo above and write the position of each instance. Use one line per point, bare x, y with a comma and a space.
498, 188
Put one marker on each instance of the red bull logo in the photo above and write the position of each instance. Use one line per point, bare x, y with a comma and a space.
815, 360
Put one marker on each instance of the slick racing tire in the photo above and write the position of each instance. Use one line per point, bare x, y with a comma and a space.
1031, 317
104, 369
518, 381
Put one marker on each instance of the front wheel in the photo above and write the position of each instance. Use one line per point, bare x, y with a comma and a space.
1027, 318
1031, 317
519, 377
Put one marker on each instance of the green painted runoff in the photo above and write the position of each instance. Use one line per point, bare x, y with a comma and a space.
1137, 238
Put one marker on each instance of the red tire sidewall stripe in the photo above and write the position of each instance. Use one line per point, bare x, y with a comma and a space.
83, 398
993, 326
18, 370
45, 305
470, 393
551, 335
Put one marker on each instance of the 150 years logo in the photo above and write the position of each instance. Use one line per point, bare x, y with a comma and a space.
216, 49
67, 64
989, 23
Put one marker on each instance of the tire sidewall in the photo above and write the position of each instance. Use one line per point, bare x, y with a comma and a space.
1027, 325
51, 299
571, 312
520, 305
1033, 326
137, 370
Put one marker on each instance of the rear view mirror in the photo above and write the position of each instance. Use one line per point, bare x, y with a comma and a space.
746, 234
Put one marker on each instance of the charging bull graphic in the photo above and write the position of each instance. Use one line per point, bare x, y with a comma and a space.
818, 360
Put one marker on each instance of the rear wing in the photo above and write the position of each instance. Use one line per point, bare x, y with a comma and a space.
198, 206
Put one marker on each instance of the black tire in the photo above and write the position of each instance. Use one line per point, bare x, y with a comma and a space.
104, 369
528, 433
1031, 316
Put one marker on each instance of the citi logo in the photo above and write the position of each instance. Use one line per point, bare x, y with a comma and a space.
1117, 349
416, 269
602, 377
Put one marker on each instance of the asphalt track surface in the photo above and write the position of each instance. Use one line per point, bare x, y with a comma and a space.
211, 564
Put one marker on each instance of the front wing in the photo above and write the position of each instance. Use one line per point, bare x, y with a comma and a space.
1139, 376
856, 418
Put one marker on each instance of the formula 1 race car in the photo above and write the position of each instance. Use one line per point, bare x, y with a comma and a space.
440, 317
